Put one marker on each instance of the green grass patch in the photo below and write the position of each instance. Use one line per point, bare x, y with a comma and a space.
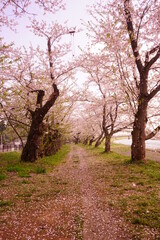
25, 181
4, 203
2, 176
9, 157
40, 170
22, 169
28, 182
134, 189
10, 163
56, 159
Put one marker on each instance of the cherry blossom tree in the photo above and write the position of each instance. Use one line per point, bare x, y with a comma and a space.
109, 98
57, 72
19, 8
28, 82
7, 95
32, 75
130, 30
145, 64
85, 123
90, 121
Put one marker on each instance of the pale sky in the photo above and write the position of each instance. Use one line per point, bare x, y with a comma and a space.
75, 13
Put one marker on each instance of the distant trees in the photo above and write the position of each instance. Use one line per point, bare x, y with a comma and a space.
7, 95
108, 100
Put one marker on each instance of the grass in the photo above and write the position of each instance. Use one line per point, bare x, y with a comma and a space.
28, 182
4, 203
56, 159
9, 157
134, 189
2, 176
40, 170
10, 163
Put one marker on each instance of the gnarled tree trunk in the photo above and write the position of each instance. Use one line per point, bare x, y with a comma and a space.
32, 147
85, 142
91, 141
99, 140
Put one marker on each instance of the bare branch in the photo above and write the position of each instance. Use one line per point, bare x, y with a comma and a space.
50, 102
148, 63
10, 122
153, 133
132, 37
153, 93
141, 18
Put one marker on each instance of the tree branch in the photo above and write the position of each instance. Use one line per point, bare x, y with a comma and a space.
153, 133
20, 122
50, 102
148, 63
40, 96
132, 37
153, 93
122, 128
141, 18
10, 122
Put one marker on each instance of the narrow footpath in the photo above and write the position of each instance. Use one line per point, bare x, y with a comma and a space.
71, 203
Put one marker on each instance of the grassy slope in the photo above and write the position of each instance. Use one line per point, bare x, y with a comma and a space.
10, 162
134, 189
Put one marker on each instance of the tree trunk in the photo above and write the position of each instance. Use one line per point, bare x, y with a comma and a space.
33, 145
99, 140
85, 142
107, 144
91, 141
138, 133
52, 142
34, 141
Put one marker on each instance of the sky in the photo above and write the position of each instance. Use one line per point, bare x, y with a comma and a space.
75, 13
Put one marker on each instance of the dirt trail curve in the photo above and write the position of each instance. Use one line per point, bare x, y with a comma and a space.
77, 209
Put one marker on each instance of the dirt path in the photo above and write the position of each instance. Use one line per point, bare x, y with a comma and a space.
71, 203
99, 221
